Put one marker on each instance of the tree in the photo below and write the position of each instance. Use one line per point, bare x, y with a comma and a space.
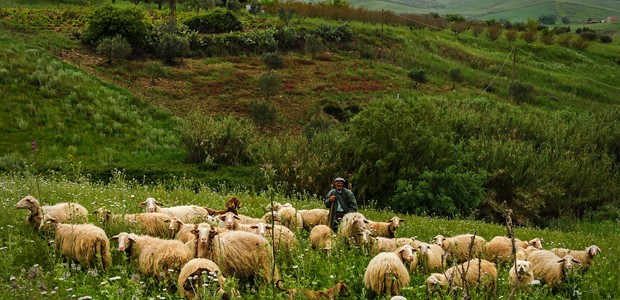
456, 76
269, 83
494, 31
417, 76
565, 20
314, 45
520, 92
155, 70
477, 29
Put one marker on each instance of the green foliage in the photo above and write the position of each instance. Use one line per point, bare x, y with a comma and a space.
255, 7
172, 46
155, 70
565, 20
115, 47
272, 60
226, 141
315, 126
447, 193
605, 39
417, 76
511, 35
454, 18
338, 34
233, 5
529, 36
456, 76
218, 20
110, 21
287, 37
520, 92
264, 114
547, 19
285, 15
494, 31
314, 45
269, 84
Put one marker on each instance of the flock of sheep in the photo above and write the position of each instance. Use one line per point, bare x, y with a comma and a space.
223, 243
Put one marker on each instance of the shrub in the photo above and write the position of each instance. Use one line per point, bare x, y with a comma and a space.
269, 83
316, 126
340, 33
511, 35
287, 37
314, 45
477, 29
218, 20
155, 70
232, 5
494, 31
529, 35
255, 7
285, 15
579, 43
110, 21
264, 114
564, 39
334, 109
520, 92
115, 47
225, 141
455, 76
417, 76
605, 39
547, 19
172, 46
272, 60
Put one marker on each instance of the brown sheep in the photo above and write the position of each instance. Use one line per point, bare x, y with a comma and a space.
385, 229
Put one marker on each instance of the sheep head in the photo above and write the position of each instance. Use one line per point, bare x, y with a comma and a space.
230, 219
405, 253
29, 203
568, 261
536, 243
593, 251
151, 204
125, 241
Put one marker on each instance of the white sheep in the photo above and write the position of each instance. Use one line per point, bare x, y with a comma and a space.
153, 224
314, 217
353, 228
458, 246
521, 276
197, 272
499, 249
385, 229
477, 272
185, 213
85, 243
184, 230
386, 272
61, 212
321, 237
282, 237
266, 218
291, 218
230, 221
382, 244
428, 259
549, 267
154, 256
586, 257
239, 254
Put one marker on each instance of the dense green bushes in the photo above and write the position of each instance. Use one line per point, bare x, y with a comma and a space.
110, 21
218, 20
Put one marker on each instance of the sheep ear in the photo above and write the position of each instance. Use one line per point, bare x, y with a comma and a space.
167, 221
365, 221
561, 260
254, 227
268, 227
179, 222
576, 261
401, 220
142, 203
236, 217
159, 203
222, 217
131, 238
213, 233
114, 238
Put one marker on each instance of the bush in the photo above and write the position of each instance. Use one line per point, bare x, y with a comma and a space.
529, 36
547, 19
446, 193
589, 35
417, 76
340, 33
272, 60
269, 83
456, 76
110, 21
155, 70
218, 20
520, 92
316, 126
335, 110
225, 141
264, 114
511, 35
232, 5
314, 45
172, 46
287, 37
605, 39
115, 47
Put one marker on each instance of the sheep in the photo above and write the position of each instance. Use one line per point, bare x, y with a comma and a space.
521, 276
321, 237
458, 246
233, 203
338, 290
238, 254
216, 212
282, 237
382, 244
353, 227
385, 229
85, 243
477, 272
266, 218
61, 212
191, 277
230, 221
386, 272
184, 230
154, 256
291, 218
549, 267
314, 217
153, 224
499, 249
185, 213
276, 206
428, 259
586, 257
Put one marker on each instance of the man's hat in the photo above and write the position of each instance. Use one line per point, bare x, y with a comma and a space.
339, 179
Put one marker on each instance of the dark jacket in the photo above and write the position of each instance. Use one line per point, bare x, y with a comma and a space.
347, 201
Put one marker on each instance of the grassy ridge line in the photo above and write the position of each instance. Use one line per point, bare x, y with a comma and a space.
36, 268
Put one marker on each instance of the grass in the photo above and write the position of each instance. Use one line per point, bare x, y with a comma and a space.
34, 270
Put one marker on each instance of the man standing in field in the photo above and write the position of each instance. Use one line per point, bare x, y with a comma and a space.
339, 201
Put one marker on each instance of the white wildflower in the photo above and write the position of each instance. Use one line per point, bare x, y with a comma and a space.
85, 298
44, 293
115, 278
4, 248
295, 266
332, 276
12, 278
69, 289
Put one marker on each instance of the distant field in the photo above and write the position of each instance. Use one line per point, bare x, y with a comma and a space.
576, 11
